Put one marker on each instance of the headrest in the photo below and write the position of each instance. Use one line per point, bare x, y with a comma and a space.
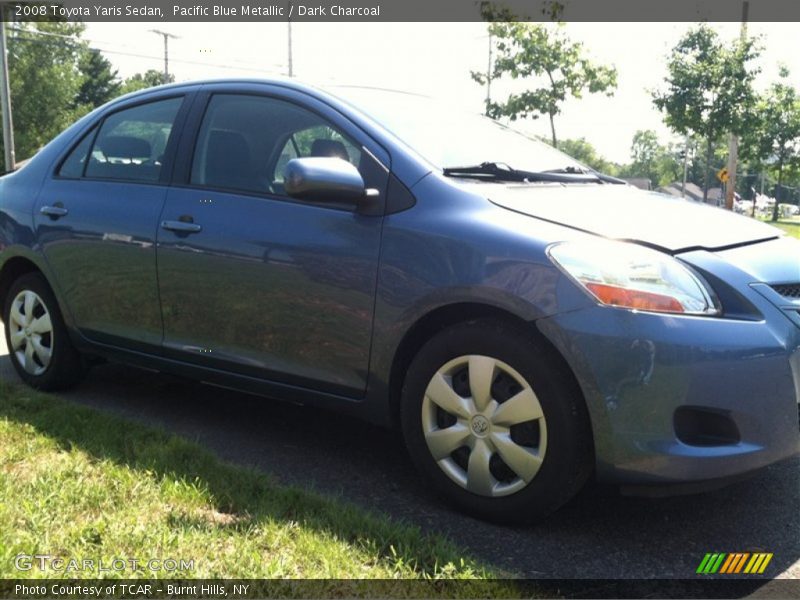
331, 148
124, 146
228, 161
227, 148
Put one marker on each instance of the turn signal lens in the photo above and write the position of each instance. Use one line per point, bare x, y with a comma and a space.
617, 296
631, 276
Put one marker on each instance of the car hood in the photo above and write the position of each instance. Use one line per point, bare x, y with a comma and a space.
627, 213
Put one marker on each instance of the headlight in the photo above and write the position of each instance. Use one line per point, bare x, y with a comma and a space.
631, 276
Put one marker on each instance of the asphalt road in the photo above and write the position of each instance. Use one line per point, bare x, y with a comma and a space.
600, 534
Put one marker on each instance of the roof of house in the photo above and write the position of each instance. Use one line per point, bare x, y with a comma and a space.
693, 191
643, 183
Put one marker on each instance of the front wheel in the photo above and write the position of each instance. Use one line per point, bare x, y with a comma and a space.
37, 339
495, 423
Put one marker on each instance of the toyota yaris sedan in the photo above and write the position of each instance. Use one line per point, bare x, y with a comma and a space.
527, 322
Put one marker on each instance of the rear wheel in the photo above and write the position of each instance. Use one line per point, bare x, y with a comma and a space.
37, 338
495, 423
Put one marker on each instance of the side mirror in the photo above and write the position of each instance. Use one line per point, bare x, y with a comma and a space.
323, 179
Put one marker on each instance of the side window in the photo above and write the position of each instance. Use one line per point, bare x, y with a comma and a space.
131, 142
76, 160
288, 153
245, 142
320, 140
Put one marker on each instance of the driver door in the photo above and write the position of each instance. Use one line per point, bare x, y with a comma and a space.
252, 281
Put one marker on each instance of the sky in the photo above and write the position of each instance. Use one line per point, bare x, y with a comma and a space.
436, 59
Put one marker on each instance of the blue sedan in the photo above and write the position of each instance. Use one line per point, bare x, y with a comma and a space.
527, 322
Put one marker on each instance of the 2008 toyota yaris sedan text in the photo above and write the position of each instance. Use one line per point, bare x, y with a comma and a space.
527, 322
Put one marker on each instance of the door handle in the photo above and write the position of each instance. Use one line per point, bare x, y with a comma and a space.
181, 226
54, 212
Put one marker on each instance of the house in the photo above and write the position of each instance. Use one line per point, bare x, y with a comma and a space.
693, 192
640, 182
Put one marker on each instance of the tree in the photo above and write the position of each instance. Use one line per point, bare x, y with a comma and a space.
652, 160
777, 133
45, 79
141, 81
645, 151
100, 82
645, 147
669, 164
544, 55
709, 88
584, 152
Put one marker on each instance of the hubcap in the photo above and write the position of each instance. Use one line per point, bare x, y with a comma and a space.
480, 425
484, 425
31, 332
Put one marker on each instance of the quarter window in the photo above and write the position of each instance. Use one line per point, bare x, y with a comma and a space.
131, 143
75, 162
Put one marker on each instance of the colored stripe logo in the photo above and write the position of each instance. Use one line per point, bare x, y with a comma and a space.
734, 563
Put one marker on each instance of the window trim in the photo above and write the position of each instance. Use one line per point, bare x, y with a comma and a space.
165, 174
182, 171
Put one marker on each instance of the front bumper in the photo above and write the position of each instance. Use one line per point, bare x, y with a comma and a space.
637, 369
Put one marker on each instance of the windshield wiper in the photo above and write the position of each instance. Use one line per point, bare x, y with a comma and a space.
502, 172
601, 176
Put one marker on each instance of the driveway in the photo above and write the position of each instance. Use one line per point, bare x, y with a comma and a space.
600, 534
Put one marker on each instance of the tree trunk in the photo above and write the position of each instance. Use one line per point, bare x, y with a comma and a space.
709, 150
553, 108
776, 208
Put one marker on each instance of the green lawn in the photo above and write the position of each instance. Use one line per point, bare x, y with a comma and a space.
790, 227
80, 483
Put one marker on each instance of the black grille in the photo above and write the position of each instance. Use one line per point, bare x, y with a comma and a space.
788, 290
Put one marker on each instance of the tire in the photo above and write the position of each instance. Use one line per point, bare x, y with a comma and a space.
527, 452
51, 363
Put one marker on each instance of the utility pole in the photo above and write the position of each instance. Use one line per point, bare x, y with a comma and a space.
166, 50
291, 65
733, 140
289, 42
5, 99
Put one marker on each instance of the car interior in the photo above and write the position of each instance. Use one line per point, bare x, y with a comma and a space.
131, 143
245, 143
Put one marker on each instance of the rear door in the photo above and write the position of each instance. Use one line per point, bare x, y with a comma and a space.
252, 281
96, 220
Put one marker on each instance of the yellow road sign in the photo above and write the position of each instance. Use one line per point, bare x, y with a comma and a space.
722, 175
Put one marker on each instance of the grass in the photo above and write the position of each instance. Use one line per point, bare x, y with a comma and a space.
80, 483
790, 227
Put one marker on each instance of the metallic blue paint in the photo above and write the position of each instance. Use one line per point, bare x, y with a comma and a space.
312, 304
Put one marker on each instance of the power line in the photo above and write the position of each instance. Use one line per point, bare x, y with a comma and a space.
68, 38
146, 56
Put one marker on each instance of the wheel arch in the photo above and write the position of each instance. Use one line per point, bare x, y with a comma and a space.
435, 321
20, 264
14, 268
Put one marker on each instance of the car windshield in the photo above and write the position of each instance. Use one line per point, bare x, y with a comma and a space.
449, 137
